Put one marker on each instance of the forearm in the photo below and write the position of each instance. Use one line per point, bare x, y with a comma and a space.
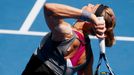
61, 10
65, 11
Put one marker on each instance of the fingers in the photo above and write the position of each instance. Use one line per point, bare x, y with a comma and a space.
100, 36
90, 5
100, 30
84, 7
100, 27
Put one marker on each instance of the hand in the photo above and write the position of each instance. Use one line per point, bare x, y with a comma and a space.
100, 28
89, 8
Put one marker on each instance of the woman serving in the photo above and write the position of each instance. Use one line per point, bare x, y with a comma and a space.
66, 49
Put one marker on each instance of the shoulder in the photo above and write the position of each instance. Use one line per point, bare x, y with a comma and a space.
62, 31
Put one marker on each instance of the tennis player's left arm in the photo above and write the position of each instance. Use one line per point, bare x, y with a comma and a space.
65, 11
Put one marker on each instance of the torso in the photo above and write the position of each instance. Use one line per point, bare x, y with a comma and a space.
73, 49
69, 52
74, 46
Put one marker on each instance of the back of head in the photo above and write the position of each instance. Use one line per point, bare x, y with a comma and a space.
109, 17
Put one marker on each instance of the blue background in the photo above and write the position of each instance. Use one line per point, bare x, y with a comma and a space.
15, 50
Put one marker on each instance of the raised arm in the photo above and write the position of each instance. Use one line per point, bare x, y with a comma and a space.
55, 13
61, 11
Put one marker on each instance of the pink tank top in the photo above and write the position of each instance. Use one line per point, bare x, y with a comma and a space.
80, 50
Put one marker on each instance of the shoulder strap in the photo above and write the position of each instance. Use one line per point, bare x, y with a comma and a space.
64, 45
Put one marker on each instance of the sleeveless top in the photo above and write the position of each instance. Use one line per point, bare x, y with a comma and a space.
52, 54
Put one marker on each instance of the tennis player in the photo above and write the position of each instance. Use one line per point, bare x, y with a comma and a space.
66, 49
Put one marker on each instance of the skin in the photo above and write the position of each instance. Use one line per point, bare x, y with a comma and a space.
62, 30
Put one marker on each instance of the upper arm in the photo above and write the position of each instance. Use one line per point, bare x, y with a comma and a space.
50, 19
57, 25
55, 13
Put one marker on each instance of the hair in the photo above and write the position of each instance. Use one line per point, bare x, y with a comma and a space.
109, 17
